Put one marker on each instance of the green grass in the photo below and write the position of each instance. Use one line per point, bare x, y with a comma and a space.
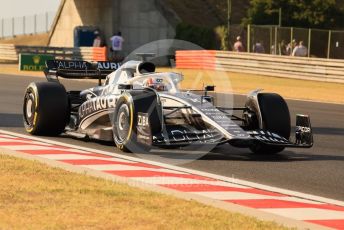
28, 40
35, 196
243, 83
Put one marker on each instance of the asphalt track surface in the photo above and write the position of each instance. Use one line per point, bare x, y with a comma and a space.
317, 171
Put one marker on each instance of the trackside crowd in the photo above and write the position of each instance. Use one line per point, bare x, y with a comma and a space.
291, 49
294, 48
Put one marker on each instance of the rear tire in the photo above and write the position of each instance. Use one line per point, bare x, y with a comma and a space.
275, 118
45, 108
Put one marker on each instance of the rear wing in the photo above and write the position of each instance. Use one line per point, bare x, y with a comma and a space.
78, 69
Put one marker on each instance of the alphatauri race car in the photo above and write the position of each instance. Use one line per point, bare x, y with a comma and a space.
139, 108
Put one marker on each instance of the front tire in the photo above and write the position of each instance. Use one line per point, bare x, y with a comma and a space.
125, 119
45, 108
274, 114
123, 124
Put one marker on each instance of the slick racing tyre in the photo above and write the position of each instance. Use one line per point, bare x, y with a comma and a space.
275, 117
127, 120
45, 108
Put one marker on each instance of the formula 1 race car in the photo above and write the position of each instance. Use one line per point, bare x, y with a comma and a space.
139, 108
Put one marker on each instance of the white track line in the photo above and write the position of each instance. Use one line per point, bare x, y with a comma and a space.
195, 172
6, 136
36, 147
69, 157
2, 140
306, 213
115, 160
250, 196
119, 167
233, 195
183, 181
167, 180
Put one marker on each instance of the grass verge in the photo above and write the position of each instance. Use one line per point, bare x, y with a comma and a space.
244, 83
14, 69
35, 196
240, 83
28, 40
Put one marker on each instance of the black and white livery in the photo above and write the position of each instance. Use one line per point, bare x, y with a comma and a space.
140, 109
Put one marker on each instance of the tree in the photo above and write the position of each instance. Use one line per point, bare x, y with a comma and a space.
324, 14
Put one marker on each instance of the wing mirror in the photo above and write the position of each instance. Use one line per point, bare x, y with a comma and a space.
209, 88
125, 86
206, 97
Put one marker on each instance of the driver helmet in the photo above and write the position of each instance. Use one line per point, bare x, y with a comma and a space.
154, 83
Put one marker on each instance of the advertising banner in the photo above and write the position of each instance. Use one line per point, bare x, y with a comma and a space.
33, 62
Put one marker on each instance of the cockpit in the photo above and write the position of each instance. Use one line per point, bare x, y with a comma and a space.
142, 74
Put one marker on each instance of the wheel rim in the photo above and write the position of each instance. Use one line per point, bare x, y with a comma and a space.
122, 123
29, 109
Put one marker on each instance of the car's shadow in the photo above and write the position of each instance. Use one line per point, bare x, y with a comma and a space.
233, 154
328, 131
229, 153
221, 153
11, 120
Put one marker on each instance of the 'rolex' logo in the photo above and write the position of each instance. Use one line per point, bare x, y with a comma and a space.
36, 59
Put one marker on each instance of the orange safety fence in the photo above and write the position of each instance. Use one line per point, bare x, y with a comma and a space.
99, 54
196, 59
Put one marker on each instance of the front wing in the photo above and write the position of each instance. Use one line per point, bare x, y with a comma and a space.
175, 135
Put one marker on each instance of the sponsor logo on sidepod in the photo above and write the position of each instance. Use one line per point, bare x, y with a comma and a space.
97, 104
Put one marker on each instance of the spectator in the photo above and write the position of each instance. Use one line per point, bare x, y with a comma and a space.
283, 48
238, 46
290, 47
97, 42
116, 45
258, 48
300, 50
273, 49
